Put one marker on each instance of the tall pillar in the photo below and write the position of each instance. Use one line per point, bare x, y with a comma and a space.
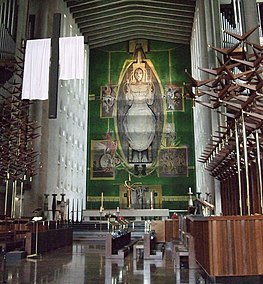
250, 19
202, 116
202, 33
39, 113
209, 34
212, 13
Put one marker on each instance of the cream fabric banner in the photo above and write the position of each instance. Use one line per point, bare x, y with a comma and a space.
36, 69
71, 58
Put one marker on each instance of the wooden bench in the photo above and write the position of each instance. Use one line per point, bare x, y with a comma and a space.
8, 241
185, 249
118, 248
180, 251
6, 237
137, 249
149, 247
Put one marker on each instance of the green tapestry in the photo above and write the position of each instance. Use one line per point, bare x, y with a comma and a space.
140, 124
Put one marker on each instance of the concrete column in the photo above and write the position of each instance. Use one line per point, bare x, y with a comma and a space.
250, 18
21, 28
202, 115
216, 23
202, 33
216, 34
34, 198
209, 34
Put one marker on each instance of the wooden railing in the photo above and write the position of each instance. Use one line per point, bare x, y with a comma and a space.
228, 245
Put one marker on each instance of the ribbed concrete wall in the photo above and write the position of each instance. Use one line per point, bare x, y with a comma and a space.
63, 141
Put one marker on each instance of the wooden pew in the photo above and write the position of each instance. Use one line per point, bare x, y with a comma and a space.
48, 240
118, 246
12, 234
151, 250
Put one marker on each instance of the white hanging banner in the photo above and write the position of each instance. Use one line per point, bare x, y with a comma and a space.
36, 69
37, 63
71, 58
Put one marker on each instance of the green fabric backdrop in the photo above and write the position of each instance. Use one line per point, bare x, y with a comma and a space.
170, 61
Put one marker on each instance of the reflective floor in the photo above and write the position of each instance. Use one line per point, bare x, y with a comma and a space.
85, 263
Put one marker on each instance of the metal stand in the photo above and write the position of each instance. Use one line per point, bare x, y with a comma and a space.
35, 220
4, 278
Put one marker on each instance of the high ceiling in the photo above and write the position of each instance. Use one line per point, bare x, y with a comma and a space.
105, 22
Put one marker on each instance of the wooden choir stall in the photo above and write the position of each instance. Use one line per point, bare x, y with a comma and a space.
228, 245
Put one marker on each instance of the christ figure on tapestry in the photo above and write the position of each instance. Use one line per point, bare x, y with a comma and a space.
139, 114
139, 121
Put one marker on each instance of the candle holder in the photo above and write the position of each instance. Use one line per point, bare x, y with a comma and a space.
207, 196
190, 201
72, 212
62, 206
152, 200
6, 193
101, 212
129, 198
77, 217
118, 212
191, 208
68, 214
101, 200
21, 196
46, 205
198, 194
54, 206
197, 203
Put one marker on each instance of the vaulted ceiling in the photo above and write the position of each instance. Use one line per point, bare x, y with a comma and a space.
105, 22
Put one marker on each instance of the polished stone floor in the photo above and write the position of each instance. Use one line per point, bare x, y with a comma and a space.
85, 263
